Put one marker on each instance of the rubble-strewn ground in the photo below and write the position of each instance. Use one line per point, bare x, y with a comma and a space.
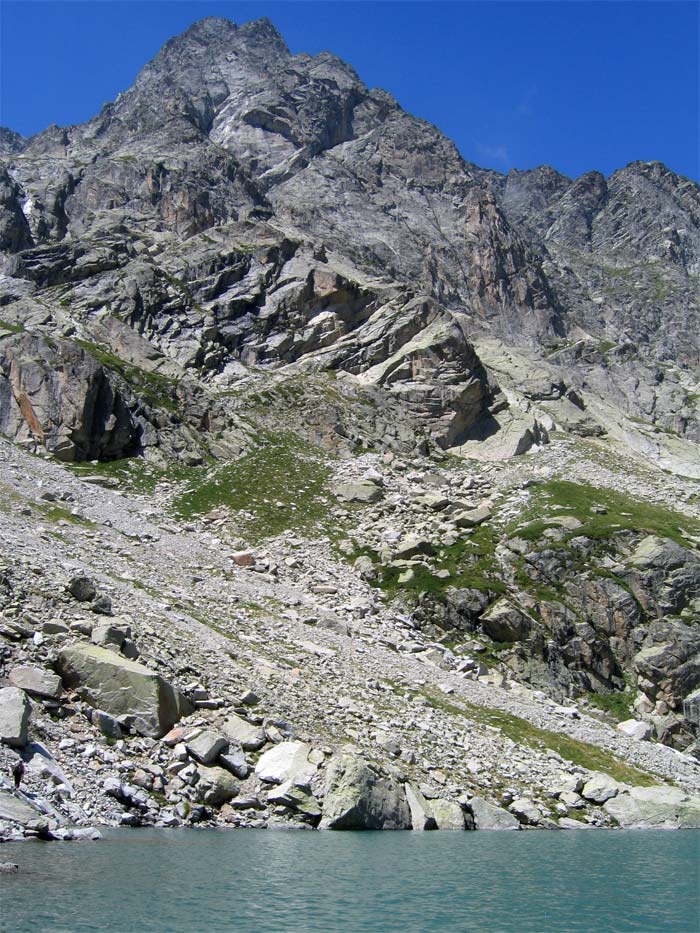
333, 660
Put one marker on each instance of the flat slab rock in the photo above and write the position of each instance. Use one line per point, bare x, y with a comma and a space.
122, 687
488, 816
359, 492
243, 733
36, 682
16, 810
655, 808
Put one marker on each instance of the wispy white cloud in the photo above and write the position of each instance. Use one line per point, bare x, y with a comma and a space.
498, 153
525, 105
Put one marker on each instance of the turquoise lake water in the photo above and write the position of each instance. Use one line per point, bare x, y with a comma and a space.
209, 881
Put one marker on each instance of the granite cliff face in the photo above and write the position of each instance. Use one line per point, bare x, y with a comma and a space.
241, 205
314, 343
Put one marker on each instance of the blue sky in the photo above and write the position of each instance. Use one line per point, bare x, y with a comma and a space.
577, 85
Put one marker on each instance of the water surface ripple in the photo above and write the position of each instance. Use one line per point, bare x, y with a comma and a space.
170, 881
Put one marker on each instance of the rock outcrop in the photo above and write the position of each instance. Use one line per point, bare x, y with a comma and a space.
58, 395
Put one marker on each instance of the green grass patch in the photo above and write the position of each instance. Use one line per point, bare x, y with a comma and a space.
9, 499
618, 704
622, 513
470, 563
525, 733
284, 469
54, 513
12, 328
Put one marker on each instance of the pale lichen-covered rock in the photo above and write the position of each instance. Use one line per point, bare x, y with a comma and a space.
488, 816
123, 688
14, 717
16, 810
600, 787
655, 808
635, 729
207, 746
216, 786
526, 811
502, 436
448, 814
244, 733
422, 817
359, 492
471, 517
358, 796
286, 761
296, 795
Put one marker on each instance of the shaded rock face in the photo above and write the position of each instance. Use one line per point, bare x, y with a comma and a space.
359, 797
14, 229
327, 228
122, 687
57, 394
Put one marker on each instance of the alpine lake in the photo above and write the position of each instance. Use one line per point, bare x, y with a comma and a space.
257, 881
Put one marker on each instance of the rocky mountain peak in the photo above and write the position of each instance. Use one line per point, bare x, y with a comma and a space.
227, 137
331, 425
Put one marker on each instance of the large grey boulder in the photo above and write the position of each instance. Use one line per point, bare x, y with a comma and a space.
488, 816
207, 746
14, 717
243, 733
448, 814
363, 492
600, 787
122, 687
235, 761
505, 622
359, 796
82, 588
526, 811
635, 729
288, 761
296, 795
655, 808
216, 786
471, 517
36, 682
